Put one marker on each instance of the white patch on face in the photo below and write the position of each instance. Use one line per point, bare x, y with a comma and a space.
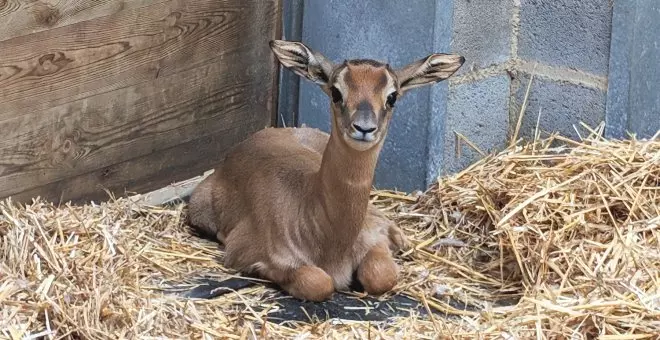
340, 84
391, 87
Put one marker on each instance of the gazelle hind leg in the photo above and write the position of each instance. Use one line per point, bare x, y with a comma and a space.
398, 240
200, 209
376, 219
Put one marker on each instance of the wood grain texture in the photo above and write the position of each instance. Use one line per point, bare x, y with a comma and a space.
142, 174
111, 101
22, 17
134, 46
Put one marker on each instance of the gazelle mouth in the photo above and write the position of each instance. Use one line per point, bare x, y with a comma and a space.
362, 137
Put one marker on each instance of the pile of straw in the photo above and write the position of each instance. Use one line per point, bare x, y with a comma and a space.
570, 231
537, 240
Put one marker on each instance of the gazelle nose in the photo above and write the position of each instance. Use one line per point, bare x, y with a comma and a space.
364, 128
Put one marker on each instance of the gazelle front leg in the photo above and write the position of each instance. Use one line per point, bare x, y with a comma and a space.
309, 283
378, 272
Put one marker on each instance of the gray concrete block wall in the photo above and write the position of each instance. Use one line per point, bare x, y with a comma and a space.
479, 95
560, 107
566, 33
482, 32
478, 110
565, 43
572, 46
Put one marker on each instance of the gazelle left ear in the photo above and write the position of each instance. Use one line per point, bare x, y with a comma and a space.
430, 70
302, 60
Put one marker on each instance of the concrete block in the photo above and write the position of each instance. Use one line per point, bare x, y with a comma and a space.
563, 105
566, 33
397, 32
480, 112
482, 31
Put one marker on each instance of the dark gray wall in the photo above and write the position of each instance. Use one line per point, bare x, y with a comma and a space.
292, 15
633, 103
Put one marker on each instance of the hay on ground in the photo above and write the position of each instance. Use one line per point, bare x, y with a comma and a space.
538, 240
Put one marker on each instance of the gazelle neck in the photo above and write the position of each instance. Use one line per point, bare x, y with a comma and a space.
345, 180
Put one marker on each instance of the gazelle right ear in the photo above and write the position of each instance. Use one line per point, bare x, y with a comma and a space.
432, 69
301, 60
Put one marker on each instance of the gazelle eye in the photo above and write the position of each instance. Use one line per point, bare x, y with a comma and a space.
391, 99
336, 95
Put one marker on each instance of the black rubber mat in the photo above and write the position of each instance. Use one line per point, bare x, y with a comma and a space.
341, 306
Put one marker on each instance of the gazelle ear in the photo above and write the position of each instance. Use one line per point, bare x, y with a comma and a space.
430, 70
303, 61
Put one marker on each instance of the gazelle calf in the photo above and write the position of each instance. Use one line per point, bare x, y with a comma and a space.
292, 204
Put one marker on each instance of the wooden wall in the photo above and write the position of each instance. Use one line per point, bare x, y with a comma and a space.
128, 95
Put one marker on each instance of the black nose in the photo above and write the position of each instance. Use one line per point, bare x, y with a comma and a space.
364, 129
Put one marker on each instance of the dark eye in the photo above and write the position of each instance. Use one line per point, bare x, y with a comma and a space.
336, 95
391, 99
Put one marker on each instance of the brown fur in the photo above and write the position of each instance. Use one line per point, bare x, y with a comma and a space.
292, 204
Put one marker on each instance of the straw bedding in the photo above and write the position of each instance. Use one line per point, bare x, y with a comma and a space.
538, 240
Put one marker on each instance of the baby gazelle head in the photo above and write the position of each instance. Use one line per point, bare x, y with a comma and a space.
363, 92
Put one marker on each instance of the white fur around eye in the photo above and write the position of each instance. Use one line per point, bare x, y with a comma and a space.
387, 92
391, 87
340, 84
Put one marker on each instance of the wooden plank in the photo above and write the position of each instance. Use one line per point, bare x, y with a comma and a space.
92, 112
142, 174
133, 46
22, 17
91, 133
